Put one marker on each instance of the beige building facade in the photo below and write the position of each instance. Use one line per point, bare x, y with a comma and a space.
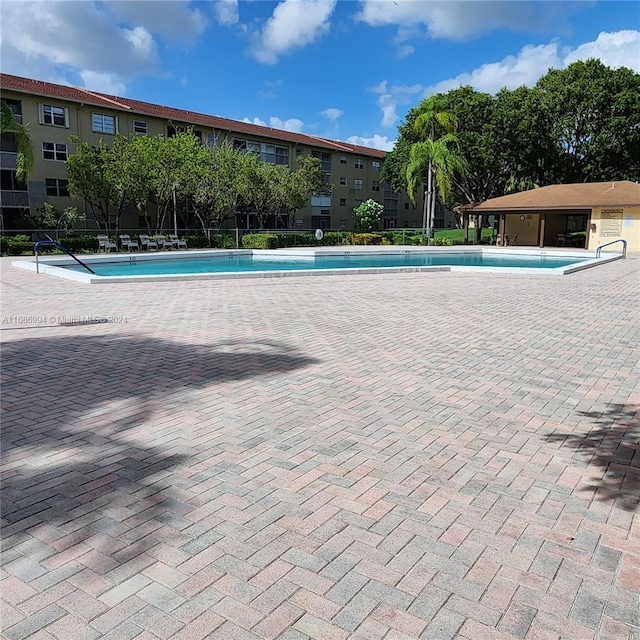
55, 113
585, 215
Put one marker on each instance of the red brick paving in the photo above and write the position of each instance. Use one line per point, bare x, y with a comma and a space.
371, 457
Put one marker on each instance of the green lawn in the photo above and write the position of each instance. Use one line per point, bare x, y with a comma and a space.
457, 235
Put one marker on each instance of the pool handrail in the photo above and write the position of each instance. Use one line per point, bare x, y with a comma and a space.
624, 247
57, 244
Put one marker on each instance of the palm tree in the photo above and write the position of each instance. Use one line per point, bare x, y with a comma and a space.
439, 158
20, 133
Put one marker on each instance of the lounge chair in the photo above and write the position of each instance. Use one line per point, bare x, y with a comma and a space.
146, 243
176, 242
162, 242
128, 243
105, 243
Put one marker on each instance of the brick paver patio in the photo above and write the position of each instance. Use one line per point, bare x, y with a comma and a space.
389, 456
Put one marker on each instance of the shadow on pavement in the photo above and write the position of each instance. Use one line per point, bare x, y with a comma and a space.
75, 450
614, 446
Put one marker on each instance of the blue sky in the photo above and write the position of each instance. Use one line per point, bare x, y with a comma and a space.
345, 69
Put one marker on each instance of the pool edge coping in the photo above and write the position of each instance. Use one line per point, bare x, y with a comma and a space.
51, 266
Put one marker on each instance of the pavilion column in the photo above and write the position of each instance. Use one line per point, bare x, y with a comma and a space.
501, 228
543, 222
465, 222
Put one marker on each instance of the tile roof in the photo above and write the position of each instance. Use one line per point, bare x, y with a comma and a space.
584, 195
76, 94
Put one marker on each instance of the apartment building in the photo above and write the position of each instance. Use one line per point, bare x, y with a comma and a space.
55, 112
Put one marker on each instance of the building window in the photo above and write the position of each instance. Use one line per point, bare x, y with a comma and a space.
375, 164
16, 108
343, 202
54, 151
358, 184
343, 182
359, 163
246, 146
140, 128
172, 131
212, 139
57, 187
406, 206
325, 160
101, 123
356, 203
54, 116
274, 154
375, 186
343, 159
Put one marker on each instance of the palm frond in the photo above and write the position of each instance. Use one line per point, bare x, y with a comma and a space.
20, 133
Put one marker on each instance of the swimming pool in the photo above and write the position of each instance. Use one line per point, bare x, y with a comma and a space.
260, 263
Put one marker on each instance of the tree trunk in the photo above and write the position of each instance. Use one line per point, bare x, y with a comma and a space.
429, 201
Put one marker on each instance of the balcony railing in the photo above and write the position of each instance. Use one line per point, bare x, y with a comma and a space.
14, 199
8, 160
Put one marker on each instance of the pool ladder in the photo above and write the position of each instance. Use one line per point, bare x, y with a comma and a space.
602, 246
57, 244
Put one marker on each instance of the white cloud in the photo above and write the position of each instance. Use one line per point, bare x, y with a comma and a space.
258, 121
172, 19
49, 41
226, 12
376, 142
621, 48
294, 24
391, 97
332, 113
526, 67
292, 124
102, 82
457, 20
617, 49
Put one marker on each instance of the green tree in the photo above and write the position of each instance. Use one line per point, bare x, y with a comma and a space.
436, 158
48, 217
367, 216
308, 179
127, 175
217, 184
594, 113
19, 132
86, 172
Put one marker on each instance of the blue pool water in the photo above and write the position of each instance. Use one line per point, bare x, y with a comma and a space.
244, 263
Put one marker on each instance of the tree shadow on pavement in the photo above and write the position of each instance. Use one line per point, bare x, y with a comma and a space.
79, 459
614, 446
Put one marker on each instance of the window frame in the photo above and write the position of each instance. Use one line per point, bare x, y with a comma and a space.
104, 117
343, 181
59, 185
358, 163
358, 184
136, 126
55, 152
47, 112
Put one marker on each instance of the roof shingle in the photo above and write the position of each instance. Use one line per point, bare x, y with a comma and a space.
584, 195
76, 94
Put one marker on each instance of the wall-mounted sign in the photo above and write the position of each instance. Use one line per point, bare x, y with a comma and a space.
628, 222
611, 225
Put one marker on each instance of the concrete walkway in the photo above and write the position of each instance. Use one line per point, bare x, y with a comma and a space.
374, 457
